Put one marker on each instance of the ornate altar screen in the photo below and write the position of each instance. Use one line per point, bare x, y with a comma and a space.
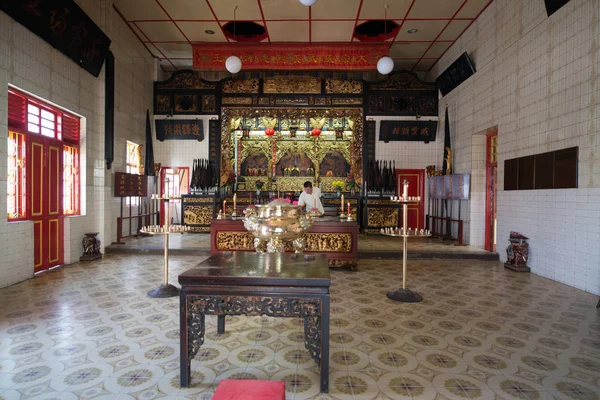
284, 147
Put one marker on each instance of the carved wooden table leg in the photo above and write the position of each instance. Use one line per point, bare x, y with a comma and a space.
316, 339
324, 317
191, 338
312, 337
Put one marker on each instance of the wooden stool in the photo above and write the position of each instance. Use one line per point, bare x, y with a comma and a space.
233, 389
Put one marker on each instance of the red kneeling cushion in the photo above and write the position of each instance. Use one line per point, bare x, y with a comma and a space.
233, 389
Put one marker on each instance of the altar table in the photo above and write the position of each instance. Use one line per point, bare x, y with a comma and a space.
337, 239
244, 283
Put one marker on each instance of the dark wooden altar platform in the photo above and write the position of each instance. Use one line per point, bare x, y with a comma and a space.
252, 284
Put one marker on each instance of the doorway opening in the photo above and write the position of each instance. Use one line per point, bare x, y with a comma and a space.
491, 185
174, 182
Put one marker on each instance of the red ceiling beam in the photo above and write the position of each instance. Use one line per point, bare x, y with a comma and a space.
262, 14
440, 34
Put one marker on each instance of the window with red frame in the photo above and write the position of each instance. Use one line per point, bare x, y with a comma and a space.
70, 180
15, 176
28, 116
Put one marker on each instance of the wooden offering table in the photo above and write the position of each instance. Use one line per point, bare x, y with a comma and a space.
243, 283
337, 239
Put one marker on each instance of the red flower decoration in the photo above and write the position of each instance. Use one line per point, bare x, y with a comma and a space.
315, 132
269, 131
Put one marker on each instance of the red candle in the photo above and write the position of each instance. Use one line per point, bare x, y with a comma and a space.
348, 208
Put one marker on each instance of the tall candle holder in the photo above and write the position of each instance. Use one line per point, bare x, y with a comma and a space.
404, 294
165, 289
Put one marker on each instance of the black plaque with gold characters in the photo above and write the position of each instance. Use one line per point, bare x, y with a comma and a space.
423, 131
65, 26
458, 72
127, 185
179, 129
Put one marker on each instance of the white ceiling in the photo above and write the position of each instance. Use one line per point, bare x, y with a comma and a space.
168, 28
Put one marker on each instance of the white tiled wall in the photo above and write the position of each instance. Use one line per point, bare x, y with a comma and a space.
410, 155
181, 153
29, 63
537, 80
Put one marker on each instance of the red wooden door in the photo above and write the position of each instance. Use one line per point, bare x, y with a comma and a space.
416, 187
45, 195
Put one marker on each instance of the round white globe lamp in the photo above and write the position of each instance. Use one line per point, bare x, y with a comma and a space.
385, 65
233, 64
308, 2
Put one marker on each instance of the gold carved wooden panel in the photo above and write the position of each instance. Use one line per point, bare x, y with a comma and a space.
383, 217
328, 242
209, 103
317, 242
241, 86
292, 85
197, 215
189, 200
342, 86
298, 101
185, 80
346, 100
237, 100
235, 241
199, 229
386, 202
163, 103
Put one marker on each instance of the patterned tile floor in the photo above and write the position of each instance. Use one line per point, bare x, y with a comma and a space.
88, 330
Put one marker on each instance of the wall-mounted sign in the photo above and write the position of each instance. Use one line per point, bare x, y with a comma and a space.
65, 27
458, 72
130, 185
454, 187
423, 131
179, 129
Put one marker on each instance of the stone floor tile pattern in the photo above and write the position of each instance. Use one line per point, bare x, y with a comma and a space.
88, 331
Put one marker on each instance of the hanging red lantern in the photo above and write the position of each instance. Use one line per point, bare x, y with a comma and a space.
269, 131
315, 132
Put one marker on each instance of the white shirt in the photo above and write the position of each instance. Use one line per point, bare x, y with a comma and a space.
316, 192
310, 201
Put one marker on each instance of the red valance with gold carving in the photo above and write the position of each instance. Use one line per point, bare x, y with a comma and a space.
289, 56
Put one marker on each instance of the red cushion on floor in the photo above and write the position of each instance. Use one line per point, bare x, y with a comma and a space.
233, 389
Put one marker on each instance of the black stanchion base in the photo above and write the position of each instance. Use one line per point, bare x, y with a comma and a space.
405, 296
164, 291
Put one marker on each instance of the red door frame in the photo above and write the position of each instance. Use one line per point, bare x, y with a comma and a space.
491, 185
44, 166
416, 212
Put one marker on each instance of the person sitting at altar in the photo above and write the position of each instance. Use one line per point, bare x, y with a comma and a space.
310, 199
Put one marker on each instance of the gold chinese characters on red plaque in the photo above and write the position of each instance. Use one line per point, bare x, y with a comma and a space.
290, 56
130, 185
